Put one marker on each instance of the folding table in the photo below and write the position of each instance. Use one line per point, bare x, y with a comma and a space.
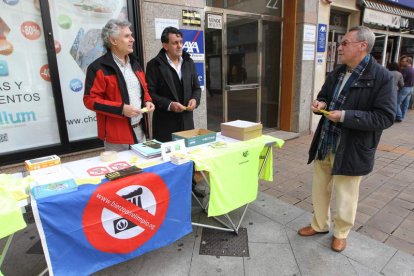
262, 148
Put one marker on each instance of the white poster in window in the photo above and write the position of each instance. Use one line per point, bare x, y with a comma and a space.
162, 23
27, 107
308, 52
77, 33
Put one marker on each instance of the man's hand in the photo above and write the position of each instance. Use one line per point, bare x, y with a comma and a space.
334, 115
150, 106
192, 104
130, 111
177, 107
317, 105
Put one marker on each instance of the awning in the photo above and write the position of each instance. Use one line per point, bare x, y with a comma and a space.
372, 4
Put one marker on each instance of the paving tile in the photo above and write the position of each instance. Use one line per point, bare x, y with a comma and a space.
393, 211
309, 255
262, 230
361, 217
273, 192
158, 262
299, 193
361, 269
289, 199
280, 259
372, 253
400, 264
373, 233
373, 202
407, 224
367, 209
305, 206
400, 244
276, 210
404, 234
398, 202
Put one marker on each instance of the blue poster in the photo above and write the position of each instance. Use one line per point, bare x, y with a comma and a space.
322, 30
200, 72
101, 225
193, 43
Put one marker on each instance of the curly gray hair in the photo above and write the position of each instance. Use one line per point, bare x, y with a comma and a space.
111, 29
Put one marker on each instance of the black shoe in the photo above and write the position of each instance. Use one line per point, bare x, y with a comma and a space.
398, 120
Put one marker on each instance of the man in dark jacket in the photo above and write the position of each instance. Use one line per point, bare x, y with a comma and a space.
116, 90
173, 85
357, 102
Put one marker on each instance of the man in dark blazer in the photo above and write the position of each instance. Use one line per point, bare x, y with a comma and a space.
173, 85
356, 103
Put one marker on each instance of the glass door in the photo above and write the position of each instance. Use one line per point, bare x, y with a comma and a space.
242, 67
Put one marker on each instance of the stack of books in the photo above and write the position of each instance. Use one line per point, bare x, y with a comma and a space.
178, 159
148, 149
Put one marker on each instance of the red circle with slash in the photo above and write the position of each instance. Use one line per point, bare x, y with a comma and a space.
106, 198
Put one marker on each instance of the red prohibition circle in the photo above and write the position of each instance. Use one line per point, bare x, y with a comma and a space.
105, 197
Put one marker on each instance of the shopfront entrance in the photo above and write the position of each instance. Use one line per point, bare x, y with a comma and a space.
242, 67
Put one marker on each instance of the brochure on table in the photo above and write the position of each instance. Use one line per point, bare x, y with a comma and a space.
171, 148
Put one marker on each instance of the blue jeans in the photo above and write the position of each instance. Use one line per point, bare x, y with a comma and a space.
403, 100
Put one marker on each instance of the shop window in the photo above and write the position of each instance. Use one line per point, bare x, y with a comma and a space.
77, 33
27, 107
407, 47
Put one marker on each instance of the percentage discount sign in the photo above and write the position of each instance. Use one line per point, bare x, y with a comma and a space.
30, 30
44, 72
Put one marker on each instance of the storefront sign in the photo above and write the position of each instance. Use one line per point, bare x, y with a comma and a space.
194, 44
382, 18
322, 30
214, 21
407, 3
191, 18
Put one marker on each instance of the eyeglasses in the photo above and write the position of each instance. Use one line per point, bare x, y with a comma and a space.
346, 43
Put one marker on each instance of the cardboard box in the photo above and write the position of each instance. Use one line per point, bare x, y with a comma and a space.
42, 162
195, 137
241, 130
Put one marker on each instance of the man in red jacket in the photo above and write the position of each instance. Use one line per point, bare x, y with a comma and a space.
115, 88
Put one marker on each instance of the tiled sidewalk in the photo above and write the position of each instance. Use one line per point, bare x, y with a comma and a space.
386, 204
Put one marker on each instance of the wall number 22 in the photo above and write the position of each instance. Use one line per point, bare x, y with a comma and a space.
270, 6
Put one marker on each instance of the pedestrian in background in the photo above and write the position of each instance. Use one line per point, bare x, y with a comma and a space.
357, 101
398, 79
116, 90
404, 94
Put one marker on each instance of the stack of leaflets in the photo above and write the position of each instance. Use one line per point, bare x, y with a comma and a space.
148, 149
55, 188
178, 158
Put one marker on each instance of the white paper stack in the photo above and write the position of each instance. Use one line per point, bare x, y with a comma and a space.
178, 159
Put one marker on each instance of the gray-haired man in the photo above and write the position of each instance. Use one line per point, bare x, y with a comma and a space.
115, 88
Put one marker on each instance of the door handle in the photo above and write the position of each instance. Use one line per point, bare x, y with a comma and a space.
242, 86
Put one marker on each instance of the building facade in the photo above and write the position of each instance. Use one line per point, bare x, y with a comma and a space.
260, 61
